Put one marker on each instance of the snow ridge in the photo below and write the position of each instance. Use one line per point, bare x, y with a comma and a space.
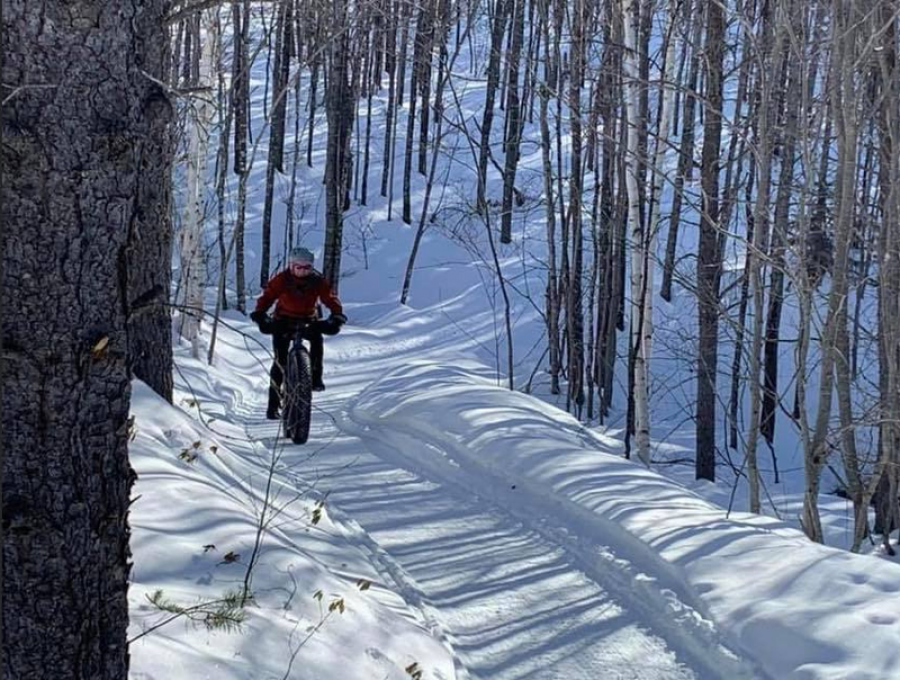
563, 523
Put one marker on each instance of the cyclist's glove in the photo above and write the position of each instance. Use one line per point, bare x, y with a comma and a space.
263, 320
333, 325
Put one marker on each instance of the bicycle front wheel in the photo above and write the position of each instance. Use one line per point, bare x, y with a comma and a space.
298, 396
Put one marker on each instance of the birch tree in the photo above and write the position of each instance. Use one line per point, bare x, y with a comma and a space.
192, 255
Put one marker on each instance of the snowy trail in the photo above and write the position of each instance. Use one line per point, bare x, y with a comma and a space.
501, 578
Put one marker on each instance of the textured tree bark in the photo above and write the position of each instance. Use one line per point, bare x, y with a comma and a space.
709, 264
411, 120
193, 255
371, 55
886, 476
149, 262
240, 84
493, 80
514, 120
639, 415
391, 66
608, 306
81, 158
574, 304
552, 293
845, 33
337, 99
424, 66
225, 111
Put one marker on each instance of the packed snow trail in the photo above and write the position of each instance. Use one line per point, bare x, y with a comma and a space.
500, 577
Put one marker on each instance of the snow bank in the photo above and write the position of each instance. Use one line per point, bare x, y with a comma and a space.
798, 609
194, 527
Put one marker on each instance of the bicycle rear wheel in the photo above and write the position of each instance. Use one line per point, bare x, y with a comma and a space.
298, 396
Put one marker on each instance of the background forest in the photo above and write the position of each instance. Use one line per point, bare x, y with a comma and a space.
702, 197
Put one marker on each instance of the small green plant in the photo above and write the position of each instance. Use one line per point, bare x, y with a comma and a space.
222, 614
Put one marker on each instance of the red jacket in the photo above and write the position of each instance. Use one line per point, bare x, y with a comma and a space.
297, 297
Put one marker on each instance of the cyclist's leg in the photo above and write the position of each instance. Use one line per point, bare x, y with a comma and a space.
281, 344
316, 357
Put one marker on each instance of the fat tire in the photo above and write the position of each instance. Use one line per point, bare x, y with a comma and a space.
298, 396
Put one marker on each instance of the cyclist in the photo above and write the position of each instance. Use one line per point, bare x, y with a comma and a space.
295, 293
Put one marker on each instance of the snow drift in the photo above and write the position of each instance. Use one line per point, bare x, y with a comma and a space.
796, 608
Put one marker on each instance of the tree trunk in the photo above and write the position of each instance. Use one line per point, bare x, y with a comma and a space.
193, 255
574, 306
391, 107
493, 79
708, 259
226, 111
844, 102
638, 388
552, 292
240, 83
411, 121
81, 161
336, 172
889, 275
280, 72
514, 121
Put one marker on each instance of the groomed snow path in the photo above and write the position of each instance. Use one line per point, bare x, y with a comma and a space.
513, 585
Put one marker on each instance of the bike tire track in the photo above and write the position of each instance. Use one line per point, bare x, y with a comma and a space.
692, 635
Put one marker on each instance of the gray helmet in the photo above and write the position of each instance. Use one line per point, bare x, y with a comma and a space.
301, 254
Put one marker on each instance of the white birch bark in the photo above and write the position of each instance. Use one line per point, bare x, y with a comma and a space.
193, 265
640, 320
643, 256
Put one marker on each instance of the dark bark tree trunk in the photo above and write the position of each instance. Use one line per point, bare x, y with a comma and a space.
514, 120
280, 72
224, 103
608, 305
418, 49
149, 267
241, 103
81, 160
888, 513
493, 79
371, 58
574, 308
289, 231
708, 259
337, 101
552, 292
424, 67
240, 83
390, 113
313, 92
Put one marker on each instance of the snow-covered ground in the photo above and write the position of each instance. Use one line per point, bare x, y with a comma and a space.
500, 537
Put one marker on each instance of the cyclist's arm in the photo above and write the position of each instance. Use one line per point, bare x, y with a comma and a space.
329, 299
270, 293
